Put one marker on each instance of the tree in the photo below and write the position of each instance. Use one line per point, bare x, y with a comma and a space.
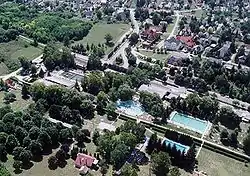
104, 169
108, 37
52, 161
80, 136
119, 154
25, 92
74, 152
152, 143
3, 153
174, 172
11, 143
125, 92
102, 100
60, 155
99, 14
94, 62
133, 38
9, 97
44, 139
16, 152
4, 110
25, 63
9, 117
25, 156
35, 147
3, 137
228, 117
246, 144
95, 137
128, 170
156, 19
160, 163
17, 165
26, 141
33, 71
20, 134
4, 171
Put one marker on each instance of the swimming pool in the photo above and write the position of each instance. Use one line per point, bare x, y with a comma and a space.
179, 146
130, 107
189, 122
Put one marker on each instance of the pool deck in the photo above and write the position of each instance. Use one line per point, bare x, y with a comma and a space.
204, 133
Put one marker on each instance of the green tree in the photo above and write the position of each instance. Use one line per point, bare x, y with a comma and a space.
25, 92
17, 165
174, 172
4, 171
3, 153
9, 97
128, 170
35, 147
25, 156
108, 37
156, 19
125, 92
246, 144
99, 14
11, 143
52, 161
160, 163
133, 38
25, 63
119, 154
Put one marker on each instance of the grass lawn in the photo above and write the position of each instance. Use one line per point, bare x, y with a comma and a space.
19, 104
219, 165
156, 56
41, 168
14, 49
99, 30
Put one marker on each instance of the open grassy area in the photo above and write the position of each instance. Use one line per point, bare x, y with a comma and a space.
156, 56
219, 165
99, 30
14, 49
19, 104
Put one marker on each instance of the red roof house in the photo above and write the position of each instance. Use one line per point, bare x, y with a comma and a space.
152, 33
85, 160
187, 40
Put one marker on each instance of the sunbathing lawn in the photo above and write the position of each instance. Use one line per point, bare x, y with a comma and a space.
99, 30
219, 165
156, 56
15, 49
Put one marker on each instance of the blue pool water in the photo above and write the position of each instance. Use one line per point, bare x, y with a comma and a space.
179, 146
130, 107
190, 122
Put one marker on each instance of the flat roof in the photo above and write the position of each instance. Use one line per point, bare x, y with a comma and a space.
161, 89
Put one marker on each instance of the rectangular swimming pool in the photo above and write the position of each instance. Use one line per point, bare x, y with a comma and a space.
179, 146
189, 122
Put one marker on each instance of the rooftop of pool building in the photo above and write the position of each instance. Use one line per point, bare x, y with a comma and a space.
130, 107
179, 146
189, 122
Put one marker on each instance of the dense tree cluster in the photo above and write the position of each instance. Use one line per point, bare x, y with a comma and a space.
53, 58
152, 103
115, 147
246, 143
42, 27
63, 104
27, 135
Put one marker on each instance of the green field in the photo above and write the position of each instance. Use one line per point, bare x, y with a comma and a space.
99, 30
14, 49
156, 56
19, 104
215, 164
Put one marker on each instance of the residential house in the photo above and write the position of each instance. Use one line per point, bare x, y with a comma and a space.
187, 40
172, 44
85, 160
151, 35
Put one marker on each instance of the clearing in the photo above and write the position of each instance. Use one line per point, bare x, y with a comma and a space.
19, 104
14, 49
216, 164
97, 33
